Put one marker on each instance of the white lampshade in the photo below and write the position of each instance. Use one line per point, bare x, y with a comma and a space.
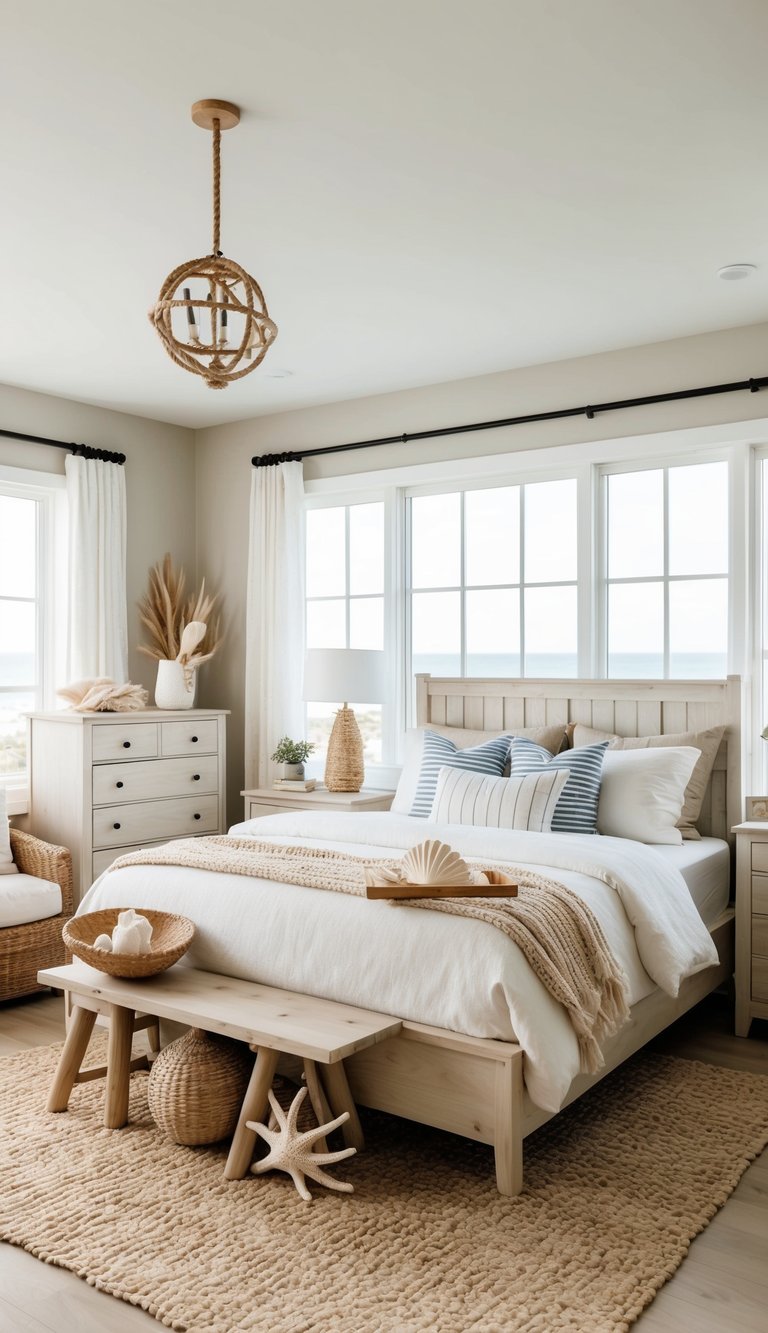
345, 675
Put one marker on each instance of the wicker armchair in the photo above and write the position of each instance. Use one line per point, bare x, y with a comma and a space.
25, 949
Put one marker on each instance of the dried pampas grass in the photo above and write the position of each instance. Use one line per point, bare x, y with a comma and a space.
101, 695
165, 614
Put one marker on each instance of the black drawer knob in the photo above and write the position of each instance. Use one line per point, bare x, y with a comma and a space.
194, 740
115, 825
198, 816
195, 777
126, 745
118, 784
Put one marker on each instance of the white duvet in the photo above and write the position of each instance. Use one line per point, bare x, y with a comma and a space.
425, 966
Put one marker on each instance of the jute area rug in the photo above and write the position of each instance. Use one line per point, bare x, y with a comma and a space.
616, 1187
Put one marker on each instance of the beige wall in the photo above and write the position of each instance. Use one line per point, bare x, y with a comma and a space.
159, 475
223, 453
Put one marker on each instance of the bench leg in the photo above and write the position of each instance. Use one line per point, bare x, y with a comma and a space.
253, 1108
153, 1038
318, 1099
335, 1079
79, 1031
118, 1066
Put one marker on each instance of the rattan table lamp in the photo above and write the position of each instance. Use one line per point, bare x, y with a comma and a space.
356, 675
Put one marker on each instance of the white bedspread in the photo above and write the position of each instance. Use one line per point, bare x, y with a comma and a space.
431, 968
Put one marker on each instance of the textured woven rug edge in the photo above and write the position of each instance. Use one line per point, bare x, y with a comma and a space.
726, 1188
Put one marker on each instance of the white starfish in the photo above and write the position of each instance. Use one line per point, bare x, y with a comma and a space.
291, 1151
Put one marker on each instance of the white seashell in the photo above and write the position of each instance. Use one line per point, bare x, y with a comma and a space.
103, 942
479, 878
434, 862
132, 934
380, 878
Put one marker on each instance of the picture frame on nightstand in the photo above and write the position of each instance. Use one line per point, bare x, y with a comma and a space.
757, 808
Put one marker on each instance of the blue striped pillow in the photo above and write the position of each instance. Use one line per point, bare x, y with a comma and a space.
576, 809
439, 752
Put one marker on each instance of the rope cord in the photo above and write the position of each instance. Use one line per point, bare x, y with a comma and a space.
216, 185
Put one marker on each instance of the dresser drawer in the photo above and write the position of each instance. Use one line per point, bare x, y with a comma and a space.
101, 861
760, 936
191, 737
759, 978
121, 741
155, 779
148, 821
254, 810
760, 856
760, 893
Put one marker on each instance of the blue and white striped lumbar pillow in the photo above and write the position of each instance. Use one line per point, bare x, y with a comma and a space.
576, 810
439, 752
527, 802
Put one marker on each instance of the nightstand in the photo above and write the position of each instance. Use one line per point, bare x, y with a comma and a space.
751, 924
273, 801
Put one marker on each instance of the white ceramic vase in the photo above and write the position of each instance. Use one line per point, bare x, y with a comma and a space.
171, 686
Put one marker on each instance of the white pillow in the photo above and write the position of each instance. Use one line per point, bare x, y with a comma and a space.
519, 803
7, 866
642, 793
463, 738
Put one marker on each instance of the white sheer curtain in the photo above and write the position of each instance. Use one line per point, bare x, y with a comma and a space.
97, 641
274, 658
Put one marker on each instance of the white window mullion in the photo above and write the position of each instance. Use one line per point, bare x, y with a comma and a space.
521, 503
587, 585
462, 584
665, 566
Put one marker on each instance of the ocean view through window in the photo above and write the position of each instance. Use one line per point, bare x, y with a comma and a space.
20, 665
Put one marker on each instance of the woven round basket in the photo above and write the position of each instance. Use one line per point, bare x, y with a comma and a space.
197, 1086
171, 937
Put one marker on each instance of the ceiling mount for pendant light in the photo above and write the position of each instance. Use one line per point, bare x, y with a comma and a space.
211, 314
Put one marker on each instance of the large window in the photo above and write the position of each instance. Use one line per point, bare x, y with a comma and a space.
666, 586
493, 581
596, 565
21, 667
32, 611
345, 604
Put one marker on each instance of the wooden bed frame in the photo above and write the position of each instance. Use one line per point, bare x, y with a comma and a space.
474, 1087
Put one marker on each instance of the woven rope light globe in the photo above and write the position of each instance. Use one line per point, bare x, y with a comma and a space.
211, 315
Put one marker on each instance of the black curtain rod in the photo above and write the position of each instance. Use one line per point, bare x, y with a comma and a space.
81, 450
753, 385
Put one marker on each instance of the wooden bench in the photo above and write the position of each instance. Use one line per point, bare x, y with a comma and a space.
271, 1021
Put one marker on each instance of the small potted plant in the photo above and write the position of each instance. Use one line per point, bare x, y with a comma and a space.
292, 755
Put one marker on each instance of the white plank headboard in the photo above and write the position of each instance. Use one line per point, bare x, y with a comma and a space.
628, 707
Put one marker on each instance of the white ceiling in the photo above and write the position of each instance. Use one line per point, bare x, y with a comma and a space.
426, 189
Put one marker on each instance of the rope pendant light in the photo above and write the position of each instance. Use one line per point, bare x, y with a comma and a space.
221, 328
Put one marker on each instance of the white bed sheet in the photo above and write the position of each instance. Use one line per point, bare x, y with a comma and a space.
442, 970
706, 868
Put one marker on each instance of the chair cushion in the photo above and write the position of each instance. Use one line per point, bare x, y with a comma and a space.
24, 898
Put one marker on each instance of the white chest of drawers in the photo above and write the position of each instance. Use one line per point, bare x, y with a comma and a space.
105, 783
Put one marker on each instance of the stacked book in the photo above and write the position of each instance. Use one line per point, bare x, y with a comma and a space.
295, 784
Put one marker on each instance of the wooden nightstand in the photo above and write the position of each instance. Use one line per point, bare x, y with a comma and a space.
751, 924
272, 801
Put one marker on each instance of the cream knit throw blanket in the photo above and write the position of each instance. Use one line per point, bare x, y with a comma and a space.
558, 934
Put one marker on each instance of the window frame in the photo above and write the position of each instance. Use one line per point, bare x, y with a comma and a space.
742, 443
48, 490
604, 583
386, 773
583, 535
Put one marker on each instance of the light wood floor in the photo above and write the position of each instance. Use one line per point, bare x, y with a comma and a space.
721, 1287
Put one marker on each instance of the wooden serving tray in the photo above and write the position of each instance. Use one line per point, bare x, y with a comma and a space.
499, 886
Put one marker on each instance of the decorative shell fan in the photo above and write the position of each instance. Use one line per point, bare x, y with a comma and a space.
435, 870
434, 862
